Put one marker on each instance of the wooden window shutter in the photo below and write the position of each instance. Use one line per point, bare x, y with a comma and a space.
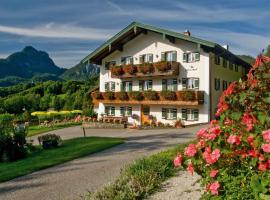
141, 60
150, 84
122, 111
106, 87
122, 86
196, 114
112, 86
197, 56
131, 60
113, 111
164, 84
130, 86
164, 113
163, 56
123, 60
174, 113
174, 56
184, 83
184, 114
174, 84
150, 58
185, 57
197, 83
141, 83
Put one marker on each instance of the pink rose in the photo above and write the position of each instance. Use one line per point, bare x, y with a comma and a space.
211, 158
190, 168
213, 187
234, 139
250, 139
178, 160
190, 151
201, 133
213, 173
216, 130
201, 144
266, 148
266, 135
262, 166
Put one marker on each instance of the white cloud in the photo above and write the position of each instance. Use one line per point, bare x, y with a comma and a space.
52, 30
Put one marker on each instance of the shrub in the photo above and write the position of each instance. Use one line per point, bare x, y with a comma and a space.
90, 113
123, 96
163, 66
151, 95
130, 69
232, 155
109, 95
97, 95
146, 68
136, 95
117, 70
49, 141
168, 95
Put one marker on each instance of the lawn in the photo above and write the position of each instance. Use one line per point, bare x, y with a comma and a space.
35, 130
70, 149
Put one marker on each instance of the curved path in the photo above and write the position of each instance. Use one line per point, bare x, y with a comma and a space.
74, 178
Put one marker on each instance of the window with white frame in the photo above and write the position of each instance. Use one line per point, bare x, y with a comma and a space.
145, 85
169, 84
169, 113
190, 83
126, 86
127, 60
110, 110
169, 56
109, 86
146, 58
190, 114
191, 57
125, 111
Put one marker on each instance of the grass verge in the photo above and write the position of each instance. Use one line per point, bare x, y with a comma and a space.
35, 130
141, 178
69, 150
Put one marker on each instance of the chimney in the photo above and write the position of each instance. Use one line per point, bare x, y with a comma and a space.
226, 47
187, 33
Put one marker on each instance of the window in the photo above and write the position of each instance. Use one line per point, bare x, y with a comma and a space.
146, 58
127, 60
224, 85
169, 84
126, 86
224, 63
126, 111
109, 110
217, 83
110, 64
190, 114
169, 113
190, 83
109, 86
191, 57
145, 85
230, 65
236, 68
217, 60
169, 56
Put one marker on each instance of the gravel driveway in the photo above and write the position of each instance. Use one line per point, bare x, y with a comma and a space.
72, 179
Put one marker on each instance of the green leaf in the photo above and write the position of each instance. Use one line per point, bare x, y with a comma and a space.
262, 117
266, 75
264, 196
236, 116
266, 100
256, 185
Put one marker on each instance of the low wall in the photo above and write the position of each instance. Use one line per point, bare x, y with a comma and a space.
102, 125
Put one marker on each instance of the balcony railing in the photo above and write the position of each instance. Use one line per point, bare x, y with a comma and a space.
162, 68
185, 97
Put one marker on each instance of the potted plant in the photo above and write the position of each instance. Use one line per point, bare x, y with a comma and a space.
117, 70
163, 66
130, 69
136, 95
151, 95
169, 95
109, 95
146, 68
123, 96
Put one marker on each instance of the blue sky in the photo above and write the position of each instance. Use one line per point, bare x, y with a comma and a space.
70, 29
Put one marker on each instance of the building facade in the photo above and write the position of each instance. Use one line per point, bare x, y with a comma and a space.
148, 73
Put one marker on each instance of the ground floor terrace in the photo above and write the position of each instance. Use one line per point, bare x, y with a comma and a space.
142, 114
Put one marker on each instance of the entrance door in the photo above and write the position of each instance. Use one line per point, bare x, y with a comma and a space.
145, 112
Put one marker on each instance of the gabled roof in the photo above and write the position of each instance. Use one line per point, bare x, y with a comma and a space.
135, 29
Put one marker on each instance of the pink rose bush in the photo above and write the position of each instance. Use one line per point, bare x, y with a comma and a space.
233, 154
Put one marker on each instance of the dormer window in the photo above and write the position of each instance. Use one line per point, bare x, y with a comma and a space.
146, 58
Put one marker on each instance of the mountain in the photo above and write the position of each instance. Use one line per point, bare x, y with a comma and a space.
80, 71
28, 63
247, 58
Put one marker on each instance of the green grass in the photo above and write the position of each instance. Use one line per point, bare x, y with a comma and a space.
70, 149
141, 178
35, 130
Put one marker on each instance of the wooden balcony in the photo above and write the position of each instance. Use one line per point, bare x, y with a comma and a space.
178, 98
146, 70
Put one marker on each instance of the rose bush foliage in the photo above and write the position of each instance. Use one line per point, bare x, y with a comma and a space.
233, 154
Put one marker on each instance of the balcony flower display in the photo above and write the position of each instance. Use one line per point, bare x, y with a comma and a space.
117, 70
109, 95
123, 96
169, 95
146, 68
151, 95
163, 66
98, 95
136, 95
130, 69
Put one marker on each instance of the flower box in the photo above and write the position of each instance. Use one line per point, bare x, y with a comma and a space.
138, 96
130, 69
151, 95
163, 66
109, 95
123, 96
168, 95
146, 68
97, 95
117, 70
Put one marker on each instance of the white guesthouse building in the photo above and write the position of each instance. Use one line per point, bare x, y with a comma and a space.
149, 72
